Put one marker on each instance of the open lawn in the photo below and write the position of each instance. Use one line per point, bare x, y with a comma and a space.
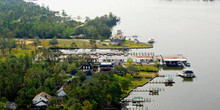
147, 68
128, 44
66, 43
142, 79
17, 51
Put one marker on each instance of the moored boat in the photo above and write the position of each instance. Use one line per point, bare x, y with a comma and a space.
151, 40
187, 73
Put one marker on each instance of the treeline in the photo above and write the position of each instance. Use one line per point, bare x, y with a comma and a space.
27, 20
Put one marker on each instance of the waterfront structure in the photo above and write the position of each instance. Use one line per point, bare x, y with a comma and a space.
118, 39
174, 61
169, 80
137, 101
187, 73
41, 99
143, 59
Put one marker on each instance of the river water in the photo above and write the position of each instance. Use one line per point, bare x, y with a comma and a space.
188, 27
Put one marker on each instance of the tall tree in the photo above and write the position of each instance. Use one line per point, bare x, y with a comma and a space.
36, 41
53, 42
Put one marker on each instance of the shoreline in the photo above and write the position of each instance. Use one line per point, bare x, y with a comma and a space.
101, 48
136, 87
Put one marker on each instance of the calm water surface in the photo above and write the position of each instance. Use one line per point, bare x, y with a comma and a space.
188, 27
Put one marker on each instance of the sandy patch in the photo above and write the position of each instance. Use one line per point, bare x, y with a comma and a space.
27, 42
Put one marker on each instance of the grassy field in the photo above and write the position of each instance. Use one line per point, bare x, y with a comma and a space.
85, 44
147, 68
17, 52
129, 44
142, 79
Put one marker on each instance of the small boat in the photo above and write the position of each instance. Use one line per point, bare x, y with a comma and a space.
187, 73
188, 64
151, 40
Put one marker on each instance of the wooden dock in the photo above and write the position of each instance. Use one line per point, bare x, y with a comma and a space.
168, 75
145, 90
143, 100
160, 82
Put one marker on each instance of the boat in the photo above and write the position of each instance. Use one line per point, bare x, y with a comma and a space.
187, 73
151, 40
188, 64
169, 80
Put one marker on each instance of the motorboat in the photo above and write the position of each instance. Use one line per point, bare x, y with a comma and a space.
187, 73
151, 40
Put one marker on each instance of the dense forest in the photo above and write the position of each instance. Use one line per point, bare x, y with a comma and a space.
21, 78
98, 28
22, 19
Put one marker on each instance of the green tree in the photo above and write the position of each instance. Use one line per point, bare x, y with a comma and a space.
53, 102
81, 75
53, 42
76, 106
84, 45
71, 68
129, 61
87, 105
36, 41
125, 83
3, 45
73, 44
3, 102
133, 70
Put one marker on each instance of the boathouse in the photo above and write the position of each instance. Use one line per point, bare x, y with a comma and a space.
113, 59
144, 59
174, 61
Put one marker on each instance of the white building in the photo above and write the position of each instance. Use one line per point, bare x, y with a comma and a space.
61, 92
41, 99
113, 59
143, 59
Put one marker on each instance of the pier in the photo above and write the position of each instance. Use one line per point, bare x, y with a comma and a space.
142, 100
149, 90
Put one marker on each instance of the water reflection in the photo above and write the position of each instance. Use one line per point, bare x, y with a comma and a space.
168, 85
188, 79
160, 84
172, 68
